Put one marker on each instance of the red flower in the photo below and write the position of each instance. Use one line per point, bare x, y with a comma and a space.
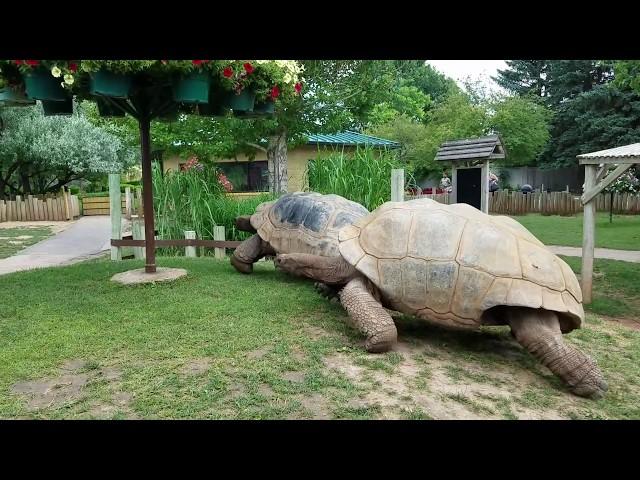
73, 67
32, 63
227, 72
197, 62
298, 87
275, 92
18, 62
248, 68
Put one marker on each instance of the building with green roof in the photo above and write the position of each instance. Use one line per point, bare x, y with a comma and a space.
250, 177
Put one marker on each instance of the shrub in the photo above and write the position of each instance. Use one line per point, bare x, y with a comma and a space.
195, 200
364, 176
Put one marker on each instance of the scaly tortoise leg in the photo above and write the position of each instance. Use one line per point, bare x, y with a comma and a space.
249, 252
539, 332
369, 316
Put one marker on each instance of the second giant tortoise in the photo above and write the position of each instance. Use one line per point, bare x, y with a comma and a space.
300, 222
455, 265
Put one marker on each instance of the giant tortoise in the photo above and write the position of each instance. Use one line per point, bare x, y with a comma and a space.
300, 222
455, 265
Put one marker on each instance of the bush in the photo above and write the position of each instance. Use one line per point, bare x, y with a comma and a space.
364, 176
195, 200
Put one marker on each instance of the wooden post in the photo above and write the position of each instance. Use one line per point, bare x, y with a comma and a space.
115, 208
397, 185
484, 192
190, 251
137, 231
588, 235
127, 202
66, 204
454, 185
219, 234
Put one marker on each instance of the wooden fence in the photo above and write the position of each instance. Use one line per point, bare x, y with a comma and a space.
131, 203
40, 207
548, 203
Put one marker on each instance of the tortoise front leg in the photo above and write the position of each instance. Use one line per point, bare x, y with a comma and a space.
369, 316
539, 332
249, 252
329, 270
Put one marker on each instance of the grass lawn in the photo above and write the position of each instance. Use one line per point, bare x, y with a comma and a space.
12, 240
622, 234
217, 344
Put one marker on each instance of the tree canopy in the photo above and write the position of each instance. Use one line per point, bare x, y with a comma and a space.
39, 154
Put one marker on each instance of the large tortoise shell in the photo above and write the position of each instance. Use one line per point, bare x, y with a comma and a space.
305, 222
453, 263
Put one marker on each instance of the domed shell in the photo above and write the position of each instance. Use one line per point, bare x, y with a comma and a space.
452, 263
305, 222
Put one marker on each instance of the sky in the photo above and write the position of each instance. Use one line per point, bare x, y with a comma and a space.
476, 69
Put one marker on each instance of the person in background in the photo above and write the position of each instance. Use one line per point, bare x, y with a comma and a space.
526, 188
445, 183
493, 182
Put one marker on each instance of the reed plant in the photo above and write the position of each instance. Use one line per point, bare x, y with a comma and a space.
363, 176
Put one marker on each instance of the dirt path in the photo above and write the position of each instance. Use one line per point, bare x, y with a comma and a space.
610, 254
85, 238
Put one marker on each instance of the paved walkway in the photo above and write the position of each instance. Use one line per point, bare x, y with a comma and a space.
86, 238
624, 255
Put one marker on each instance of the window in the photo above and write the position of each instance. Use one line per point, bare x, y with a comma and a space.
246, 176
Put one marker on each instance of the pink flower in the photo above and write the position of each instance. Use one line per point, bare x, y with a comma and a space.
275, 92
73, 67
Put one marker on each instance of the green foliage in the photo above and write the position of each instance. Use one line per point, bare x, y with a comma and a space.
524, 77
364, 176
523, 125
628, 182
195, 200
627, 74
605, 117
40, 154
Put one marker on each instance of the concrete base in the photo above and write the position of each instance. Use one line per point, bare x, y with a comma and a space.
134, 277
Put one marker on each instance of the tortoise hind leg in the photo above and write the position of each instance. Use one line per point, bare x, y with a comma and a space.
539, 332
249, 252
369, 316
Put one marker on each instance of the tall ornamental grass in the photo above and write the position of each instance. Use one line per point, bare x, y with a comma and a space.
195, 200
363, 176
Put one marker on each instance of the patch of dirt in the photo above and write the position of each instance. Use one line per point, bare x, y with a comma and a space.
294, 377
196, 366
265, 391
315, 332
431, 387
52, 392
316, 404
258, 353
236, 390
298, 355
632, 323
68, 387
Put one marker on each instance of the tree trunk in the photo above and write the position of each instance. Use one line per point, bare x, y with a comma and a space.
277, 163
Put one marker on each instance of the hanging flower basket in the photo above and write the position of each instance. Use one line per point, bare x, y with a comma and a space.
52, 107
264, 108
193, 88
106, 109
242, 102
41, 85
14, 98
110, 84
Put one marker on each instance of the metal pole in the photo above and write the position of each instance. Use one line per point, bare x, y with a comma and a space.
147, 195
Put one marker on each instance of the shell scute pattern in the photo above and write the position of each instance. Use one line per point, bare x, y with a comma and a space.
451, 263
